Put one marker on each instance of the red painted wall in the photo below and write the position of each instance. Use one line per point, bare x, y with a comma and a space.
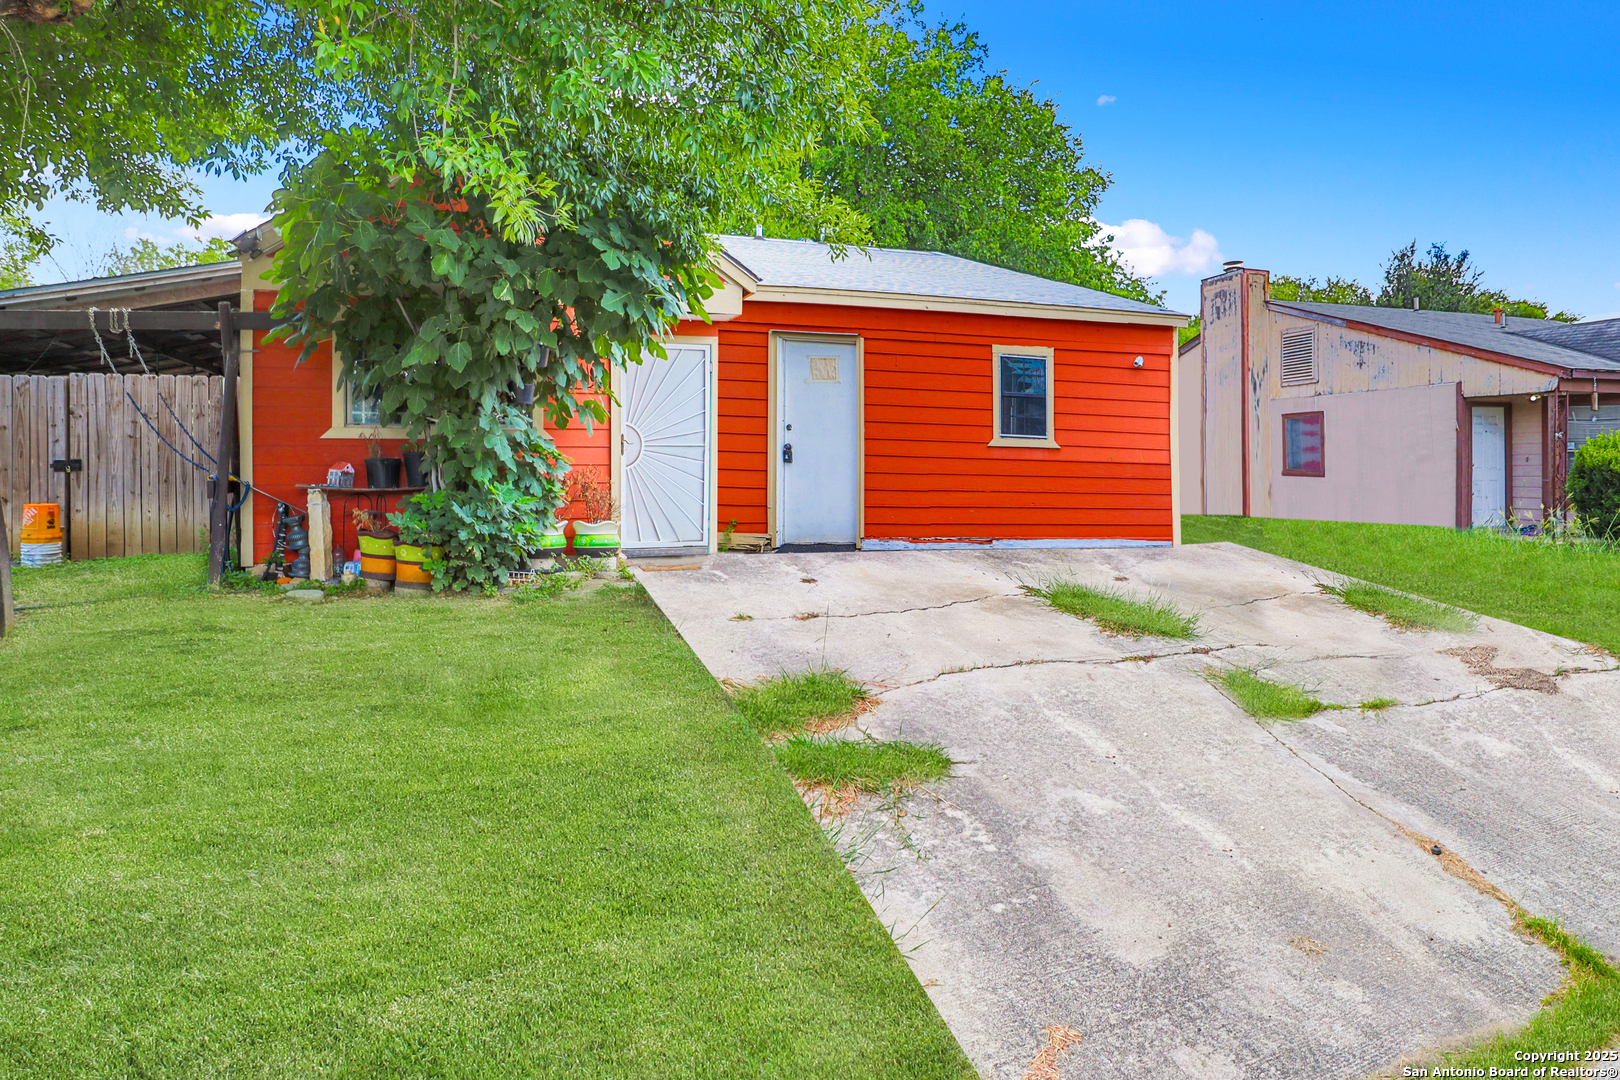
292, 409
929, 416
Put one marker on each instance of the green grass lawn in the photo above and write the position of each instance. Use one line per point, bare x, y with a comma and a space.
1570, 590
412, 838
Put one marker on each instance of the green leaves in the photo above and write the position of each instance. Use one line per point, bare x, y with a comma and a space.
962, 161
524, 202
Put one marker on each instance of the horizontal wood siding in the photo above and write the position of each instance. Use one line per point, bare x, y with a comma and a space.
929, 417
292, 409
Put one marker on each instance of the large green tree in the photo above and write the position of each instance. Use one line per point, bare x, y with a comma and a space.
522, 201
118, 103
1440, 281
964, 160
1437, 280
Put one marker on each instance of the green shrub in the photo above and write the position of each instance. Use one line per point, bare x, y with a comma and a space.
1594, 484
484, 530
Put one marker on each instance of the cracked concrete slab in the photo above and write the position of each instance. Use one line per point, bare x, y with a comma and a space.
1125, 852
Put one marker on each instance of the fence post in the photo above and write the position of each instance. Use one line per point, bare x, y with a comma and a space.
218, 542
8, 611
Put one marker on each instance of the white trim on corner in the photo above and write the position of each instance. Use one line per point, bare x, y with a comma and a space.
1023, 441
1006, 545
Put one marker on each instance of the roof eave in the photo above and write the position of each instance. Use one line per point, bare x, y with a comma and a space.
804, 294
157, 288
1424, 339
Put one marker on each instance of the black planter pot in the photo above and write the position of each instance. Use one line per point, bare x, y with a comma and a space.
413, 469
382, 472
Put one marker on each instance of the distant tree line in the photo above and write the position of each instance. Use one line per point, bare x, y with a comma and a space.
1438, 281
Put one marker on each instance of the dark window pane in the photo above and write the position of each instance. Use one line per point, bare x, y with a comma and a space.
1023, 396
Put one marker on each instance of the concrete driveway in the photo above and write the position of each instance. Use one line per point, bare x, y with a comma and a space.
1126, 853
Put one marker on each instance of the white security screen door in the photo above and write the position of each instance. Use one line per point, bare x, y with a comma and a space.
666, 440
817, 444
1490, 465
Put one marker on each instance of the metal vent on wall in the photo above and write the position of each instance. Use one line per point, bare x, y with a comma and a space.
1299, 356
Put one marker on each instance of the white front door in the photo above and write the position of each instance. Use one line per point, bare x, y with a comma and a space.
818, 441
666, 441
1490, 465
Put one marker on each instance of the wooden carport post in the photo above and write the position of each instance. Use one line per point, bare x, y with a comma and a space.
8, 611
217, 540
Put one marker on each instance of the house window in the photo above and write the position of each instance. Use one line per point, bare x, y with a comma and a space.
355, 416
1299, 356
363, 411
1302, 444
1022, 378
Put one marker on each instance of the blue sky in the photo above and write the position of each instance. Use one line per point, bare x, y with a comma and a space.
1305, 139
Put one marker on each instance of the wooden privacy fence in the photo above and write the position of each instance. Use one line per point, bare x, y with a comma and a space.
134, 495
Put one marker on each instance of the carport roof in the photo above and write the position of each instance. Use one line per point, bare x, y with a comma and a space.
804, 264
1570, 346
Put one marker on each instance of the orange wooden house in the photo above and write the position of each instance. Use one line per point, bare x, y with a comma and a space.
883, 400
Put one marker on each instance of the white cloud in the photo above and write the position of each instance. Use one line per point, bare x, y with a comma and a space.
1107, 99
1150, 251
223, 226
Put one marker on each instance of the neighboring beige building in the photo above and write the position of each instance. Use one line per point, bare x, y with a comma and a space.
1340, 413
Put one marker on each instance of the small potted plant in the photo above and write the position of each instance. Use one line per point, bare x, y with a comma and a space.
377, 549
597, 533
381, 472
412, 454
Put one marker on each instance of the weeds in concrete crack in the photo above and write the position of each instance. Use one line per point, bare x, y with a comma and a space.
1101, 661
1401, 610
806, 616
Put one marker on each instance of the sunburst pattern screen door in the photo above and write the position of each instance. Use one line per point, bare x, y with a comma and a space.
666, 442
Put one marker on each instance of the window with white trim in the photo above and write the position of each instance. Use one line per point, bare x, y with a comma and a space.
1299, 356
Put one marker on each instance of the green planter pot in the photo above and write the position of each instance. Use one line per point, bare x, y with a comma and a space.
596, 538
377, 558
409, 573
553, 542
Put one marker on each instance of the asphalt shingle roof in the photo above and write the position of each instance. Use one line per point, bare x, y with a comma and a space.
1527, 339
808, 265
1600, 338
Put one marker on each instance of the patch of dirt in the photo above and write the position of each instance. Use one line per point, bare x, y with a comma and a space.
1058, 1039
827, 802
1458, 867
803, 615
1478, 659
1308, 945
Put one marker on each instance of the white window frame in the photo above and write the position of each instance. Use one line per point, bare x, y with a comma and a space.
1040, 352
341, 427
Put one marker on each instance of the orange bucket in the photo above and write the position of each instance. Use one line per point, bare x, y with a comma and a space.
41, 523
